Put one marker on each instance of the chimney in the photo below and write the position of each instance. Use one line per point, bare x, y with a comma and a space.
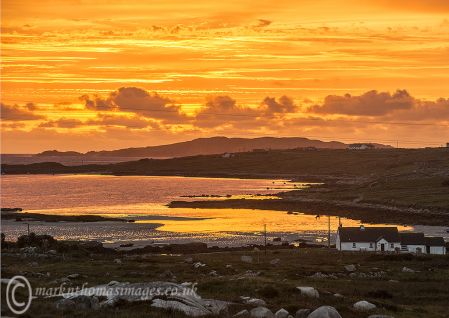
362, 227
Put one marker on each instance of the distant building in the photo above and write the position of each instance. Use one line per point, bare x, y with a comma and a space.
387, 239
307, 148
227, 155
361, 146
447, 145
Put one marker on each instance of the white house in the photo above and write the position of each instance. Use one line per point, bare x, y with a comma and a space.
387, 239
361, 146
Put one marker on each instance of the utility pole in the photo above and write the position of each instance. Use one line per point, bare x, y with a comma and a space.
329, 231
265, 234
28, 225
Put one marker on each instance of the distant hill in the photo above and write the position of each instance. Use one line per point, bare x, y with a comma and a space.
209, 146
55, 153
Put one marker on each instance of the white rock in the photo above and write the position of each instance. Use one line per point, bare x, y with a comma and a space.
407, 270
229, 266
113, 283
188, 302
309, 291
246, 259
198, 265
73, 276
255, 302
275, 261
117, 261
325, 312
350, 268
338, 295
281, 313
261, 312
179, 306
302, 313
242, 314
380, 316
363, 305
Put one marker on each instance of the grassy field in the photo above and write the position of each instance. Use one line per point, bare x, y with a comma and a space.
423, 293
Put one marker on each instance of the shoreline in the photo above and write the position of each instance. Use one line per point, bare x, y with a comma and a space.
365, 212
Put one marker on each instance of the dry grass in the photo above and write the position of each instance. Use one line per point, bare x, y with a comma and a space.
420, 294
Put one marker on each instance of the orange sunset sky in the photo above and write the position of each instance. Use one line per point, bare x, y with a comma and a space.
96, 74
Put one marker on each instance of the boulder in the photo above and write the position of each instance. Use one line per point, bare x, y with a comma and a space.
242, 314
350, 268
281, 313
309, 291
193, 307
246, 259
319, 275
324, 312
302, 313
65, 304
261, 312
198, 265
118, 261
73, 276
363, 305
84, 302
275, 261
255, 302
184, 299
337, 295
407, 270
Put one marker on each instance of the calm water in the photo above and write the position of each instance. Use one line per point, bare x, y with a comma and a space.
144, 199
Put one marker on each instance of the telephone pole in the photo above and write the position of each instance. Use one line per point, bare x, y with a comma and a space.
329, 231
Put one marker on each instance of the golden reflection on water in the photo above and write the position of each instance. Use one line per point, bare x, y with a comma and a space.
246, 220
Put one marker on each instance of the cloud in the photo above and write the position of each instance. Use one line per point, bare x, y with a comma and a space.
222, 111
284, 104
138, 101
371, 103
263, 23
18, 113
133, 122
62, 123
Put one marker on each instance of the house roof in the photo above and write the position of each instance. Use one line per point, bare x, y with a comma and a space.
368, 234
435, 241
412, 238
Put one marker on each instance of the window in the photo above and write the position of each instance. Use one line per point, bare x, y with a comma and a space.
370, 245
354, 245
392, 245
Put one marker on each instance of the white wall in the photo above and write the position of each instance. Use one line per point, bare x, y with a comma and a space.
412, 248
440, 250
358, 247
